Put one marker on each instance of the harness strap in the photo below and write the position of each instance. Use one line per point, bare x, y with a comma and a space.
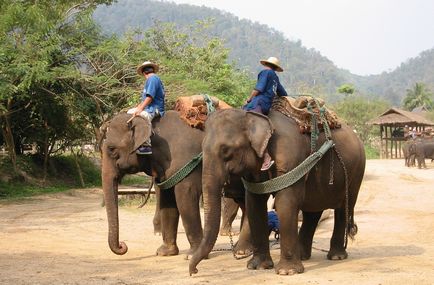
289, 178
181, 173
193, 163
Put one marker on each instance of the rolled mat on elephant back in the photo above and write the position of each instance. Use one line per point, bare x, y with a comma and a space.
296, 108
194, 111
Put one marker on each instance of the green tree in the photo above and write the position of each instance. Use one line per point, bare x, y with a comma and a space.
419, 96
33, 58
197, 57
357, 111
346, 89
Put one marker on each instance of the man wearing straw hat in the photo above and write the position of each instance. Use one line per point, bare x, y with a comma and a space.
153, 95
261, 98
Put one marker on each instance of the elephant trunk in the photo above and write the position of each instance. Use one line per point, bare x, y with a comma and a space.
110, 189
212, 210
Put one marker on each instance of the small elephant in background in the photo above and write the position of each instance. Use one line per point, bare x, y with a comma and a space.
408, 149
424, 149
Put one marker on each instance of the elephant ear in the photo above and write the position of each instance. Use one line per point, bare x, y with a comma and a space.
142, 130
259, 129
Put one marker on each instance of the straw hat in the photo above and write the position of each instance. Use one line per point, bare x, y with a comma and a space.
273, 61
146, 64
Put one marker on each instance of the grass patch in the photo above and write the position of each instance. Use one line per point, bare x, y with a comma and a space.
371, 152
136, 180
62, 175
22, 190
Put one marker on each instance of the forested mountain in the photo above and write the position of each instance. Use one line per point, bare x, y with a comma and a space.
393, 85
250, 41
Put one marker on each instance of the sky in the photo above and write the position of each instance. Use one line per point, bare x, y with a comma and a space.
363, 36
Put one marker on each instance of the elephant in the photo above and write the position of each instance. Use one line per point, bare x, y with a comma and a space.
234, 145
174, 143
409, 152
424, 149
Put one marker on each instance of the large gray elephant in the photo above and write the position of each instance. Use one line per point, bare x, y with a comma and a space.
174, 143
234, 145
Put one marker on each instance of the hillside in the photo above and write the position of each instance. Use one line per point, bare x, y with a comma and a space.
250, 41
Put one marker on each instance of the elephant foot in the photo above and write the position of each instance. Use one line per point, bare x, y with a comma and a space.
165, 250
335, 254
285, 267
260, 261
305, 254
243, 248
157, 228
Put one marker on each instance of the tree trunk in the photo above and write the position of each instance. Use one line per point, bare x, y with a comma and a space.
77, 164
8, 136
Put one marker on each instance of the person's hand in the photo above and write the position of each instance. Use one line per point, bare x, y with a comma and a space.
248, 100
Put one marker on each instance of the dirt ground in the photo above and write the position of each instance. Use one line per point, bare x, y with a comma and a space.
62, 239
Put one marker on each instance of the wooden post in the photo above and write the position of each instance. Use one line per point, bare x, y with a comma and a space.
381, 143
400, 148
391, 143
387, 145
396, 144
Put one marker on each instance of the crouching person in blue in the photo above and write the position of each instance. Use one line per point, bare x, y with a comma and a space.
152, 103
261, 98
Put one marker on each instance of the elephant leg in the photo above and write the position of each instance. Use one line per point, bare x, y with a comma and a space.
244, 244
337, 250
229, 212
257, 218
287, 205
188, 200
169, 223
157, 215
307, 230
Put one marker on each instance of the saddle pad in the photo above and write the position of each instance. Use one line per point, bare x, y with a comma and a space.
193, 109
296, 108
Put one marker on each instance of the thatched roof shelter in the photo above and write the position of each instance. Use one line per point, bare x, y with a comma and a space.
394, 127
400, 118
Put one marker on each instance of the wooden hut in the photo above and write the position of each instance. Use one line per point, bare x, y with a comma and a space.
394, 124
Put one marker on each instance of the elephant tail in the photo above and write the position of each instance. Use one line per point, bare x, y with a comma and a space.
352, 228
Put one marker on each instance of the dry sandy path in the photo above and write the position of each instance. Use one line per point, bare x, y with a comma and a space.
61, 239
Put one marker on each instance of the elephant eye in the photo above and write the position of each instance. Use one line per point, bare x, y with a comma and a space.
226, 152
112, 151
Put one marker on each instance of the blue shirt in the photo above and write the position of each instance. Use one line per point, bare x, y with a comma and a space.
268, 85
155, 89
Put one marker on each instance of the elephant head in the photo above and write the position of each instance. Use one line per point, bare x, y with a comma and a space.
234, 144
121, 139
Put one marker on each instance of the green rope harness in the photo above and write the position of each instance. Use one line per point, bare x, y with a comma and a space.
181, 173
193, 163
289, 178
314, 129
209, 104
